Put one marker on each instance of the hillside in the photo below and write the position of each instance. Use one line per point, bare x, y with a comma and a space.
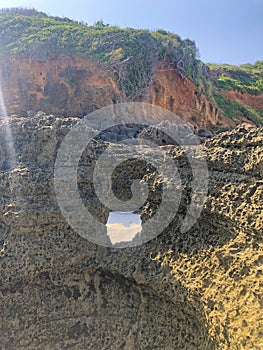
35, 36
238, 90
66, 67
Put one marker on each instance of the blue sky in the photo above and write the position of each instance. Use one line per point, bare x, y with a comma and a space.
225, 31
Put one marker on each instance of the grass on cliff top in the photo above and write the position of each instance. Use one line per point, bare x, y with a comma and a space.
244, 78
31, 33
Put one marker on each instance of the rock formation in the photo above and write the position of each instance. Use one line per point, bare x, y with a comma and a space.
197, 290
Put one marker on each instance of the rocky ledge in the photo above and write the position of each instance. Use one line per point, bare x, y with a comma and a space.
196, 290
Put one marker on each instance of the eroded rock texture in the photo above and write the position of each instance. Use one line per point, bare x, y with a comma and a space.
197, 290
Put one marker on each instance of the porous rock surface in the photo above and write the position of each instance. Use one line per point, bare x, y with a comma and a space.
197, 290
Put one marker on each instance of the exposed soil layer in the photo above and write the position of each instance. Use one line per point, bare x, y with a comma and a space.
76, 86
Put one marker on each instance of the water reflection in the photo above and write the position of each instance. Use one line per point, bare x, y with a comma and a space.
123, 226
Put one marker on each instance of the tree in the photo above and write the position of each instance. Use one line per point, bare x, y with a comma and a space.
100, 23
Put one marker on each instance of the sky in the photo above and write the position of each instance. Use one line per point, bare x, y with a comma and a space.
225, 31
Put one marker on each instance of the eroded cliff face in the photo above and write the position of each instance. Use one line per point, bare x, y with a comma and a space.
180, 96
66, 85
75, 86
255, 101
197, 290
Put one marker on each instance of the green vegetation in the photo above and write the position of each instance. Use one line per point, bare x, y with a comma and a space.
233, 109
34, 35
131, 55
244, 78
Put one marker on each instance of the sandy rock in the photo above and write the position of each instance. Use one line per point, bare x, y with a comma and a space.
196, 290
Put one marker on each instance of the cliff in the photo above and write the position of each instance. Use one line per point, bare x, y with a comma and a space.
76, 86
68, 68
238, 90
